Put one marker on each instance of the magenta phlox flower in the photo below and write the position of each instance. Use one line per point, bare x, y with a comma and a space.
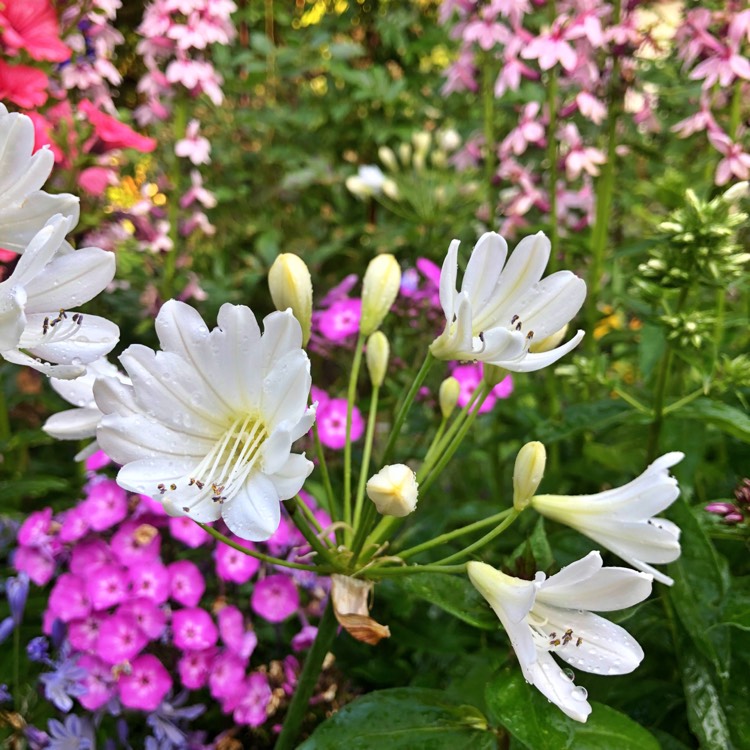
331, 422
194, 146
97, 460
252, 709
340, 320
469, 377
529, 130
74, 526
275, 598
736, 163
132, 543
305, 638
187, 531
150, 617
340, 291
194, 668
98, 682
83, 634
146, 684
35, 530
120, 639
552, 47
106, 503
285, 538
150, 580
226, 677
186, 583
193, 629
39, 566
69, 598
107, 586
236, 637
233, 565
87, 555
196, 193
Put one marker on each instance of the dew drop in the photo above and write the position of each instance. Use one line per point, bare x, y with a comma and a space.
569, 674
580, 693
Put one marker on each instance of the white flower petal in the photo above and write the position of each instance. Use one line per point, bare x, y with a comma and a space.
92, 338
501, 345
114, 397
276, 450
281, 334
484, 269
12, 317
537, 360
20, 222
254, 513
40, 251
551, 303
73, 424
145, 474
628, 539
448, 278
289, 479
557, 687
52, 371
285, 388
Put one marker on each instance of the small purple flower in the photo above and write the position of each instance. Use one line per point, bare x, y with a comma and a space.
305, 638
17, 589
64, 683
165, 719
5, 696
73, 735
275, 598
37, 649
7, 626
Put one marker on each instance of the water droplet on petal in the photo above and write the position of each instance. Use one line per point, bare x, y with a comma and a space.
569, 674
580, 693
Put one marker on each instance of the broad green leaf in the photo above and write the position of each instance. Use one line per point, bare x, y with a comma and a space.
540, 725
737, 610
582, 418
404, 719
10, 492
454, 594
727, 418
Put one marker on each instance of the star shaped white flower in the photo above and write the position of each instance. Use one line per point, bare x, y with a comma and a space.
503, 308
621, 519
208, 423
24, 207
552, 616
37, 326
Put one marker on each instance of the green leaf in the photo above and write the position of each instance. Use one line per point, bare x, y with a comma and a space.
26, 488
583, 418
540, 725
737, 610
404, 719
454, 594
727, 418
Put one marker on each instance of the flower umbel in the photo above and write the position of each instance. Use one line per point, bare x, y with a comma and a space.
502, 308
552, 616
208, 423
621, 519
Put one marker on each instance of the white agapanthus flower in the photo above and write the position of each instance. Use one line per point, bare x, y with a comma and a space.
37, 326
554, 616
621, 519
208, 423
24, 207
81, 422
503, 308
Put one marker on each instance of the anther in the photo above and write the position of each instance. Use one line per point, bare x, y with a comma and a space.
173, 487
530, 335
45, 326
519, 325
162, 489
514, 319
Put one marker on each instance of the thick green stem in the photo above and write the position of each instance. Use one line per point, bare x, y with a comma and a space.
287, 739
410, 570
351, 395
486, 539
253, 553
405, 406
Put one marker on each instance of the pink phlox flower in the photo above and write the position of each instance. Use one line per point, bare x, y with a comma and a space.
194, 146
97, 461
275, 598
469, 377
112, 133
253, 708
590, 107
188, 532
197, 77
120, 639
552, 47
32, 26
226, 678
486, 31
150, 618
340, 291
106, 503
89, 554
98, 683
735, 162
106, 586
340, 320
305, 638
194, 668
722, 66
38, 565
83, 633
513, 10
193, 629
36, 530
150, 580
145, 685
135, 542
233, 565
331, 421
147, 506
186, 583
291, 673
197, 193
286, 537
236, 637
528, 131
461, 75
69, 598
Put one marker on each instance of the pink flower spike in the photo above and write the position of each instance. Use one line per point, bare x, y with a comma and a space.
98, 682
233, 565
194, 668
106, 586
193, 629
252, 709
106, 504
275, 598
188, 532
146, 685
551, 48
150, 580
150, 618
193, 146
186, 583
120, 639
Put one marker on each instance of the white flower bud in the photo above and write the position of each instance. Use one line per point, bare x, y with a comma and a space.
377, 354
422, 142
404, 153
379, 290
388, 158
394, 490
527, 473
291, 286
450, 390
390, 189
448, 140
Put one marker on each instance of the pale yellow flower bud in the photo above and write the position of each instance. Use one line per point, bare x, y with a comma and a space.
553, 340
394, 490
388, 158
379, 290
390, 189
450, 389
528, 473
422, 142
291, 286
377, 354
404, 153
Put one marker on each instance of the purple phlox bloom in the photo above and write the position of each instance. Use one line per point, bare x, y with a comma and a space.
164, 721
5, 696
73, 735
286, 537
120, 639
193, 629
150, 617
194, 668
340, 320
83, 633
236, 637
226, 678
35, 530
64, 682
17, 590
331, 421
275, 598
150, 580
252, 709
146, 685
97, 461
107, 586
75, 525
87, 555
69, 599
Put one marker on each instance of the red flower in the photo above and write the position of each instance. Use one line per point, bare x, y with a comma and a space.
32, 25
22, 85
113, 133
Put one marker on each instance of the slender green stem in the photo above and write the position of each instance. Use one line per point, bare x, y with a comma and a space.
675, 405
429, 456
287, 739
406, 405
298, 518
333, 508
552, 159
489, 74
634, 402
382, 531
309, 515
735, 111
721, 306
448, 536
4, 418
362, 520
408, 570
173, 208
486, 539
253, 553
351, 395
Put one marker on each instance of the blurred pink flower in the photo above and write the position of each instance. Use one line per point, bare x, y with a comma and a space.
145, 685
340, 320
69, 599
98, 682
120, 639
194, 146
256, 698
83, 633
233, 565
106, 503
722, 66
188, 532
529, 130
197, 193
39, 566
150, 617
31, 26
150, 580
186, 583
331, 421
106, 586
133, 544
735, 162
27, 87
226, 676
112, 133
552, 47
275, 598
470, 376
193, 629
95, 180
194, 668
236, 637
